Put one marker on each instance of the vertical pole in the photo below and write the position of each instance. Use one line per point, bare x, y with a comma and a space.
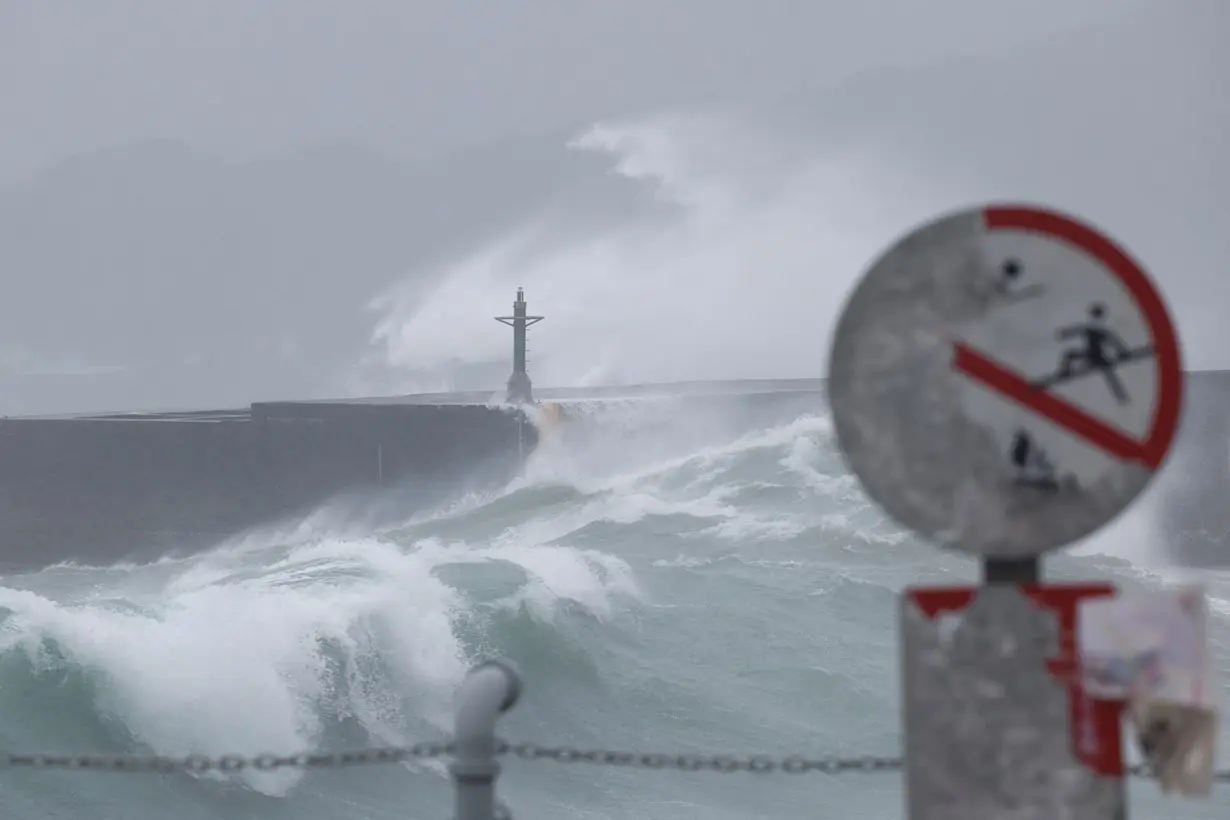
380, 464
1023, 571
519, 332
490, 690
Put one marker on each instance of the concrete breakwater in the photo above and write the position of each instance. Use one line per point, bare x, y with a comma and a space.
105, 488
101, 489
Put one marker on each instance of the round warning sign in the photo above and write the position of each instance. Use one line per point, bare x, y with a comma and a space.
1005, 380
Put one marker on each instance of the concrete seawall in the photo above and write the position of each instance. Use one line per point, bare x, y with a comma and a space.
107, 488
101, 489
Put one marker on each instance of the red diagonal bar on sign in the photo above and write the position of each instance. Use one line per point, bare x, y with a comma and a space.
1000, 379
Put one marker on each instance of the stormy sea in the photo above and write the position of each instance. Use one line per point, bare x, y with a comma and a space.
667, 581
668, 577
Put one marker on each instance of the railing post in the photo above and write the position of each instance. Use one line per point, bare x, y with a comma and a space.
489, 690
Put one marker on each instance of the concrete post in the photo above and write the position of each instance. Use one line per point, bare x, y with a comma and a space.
489, 690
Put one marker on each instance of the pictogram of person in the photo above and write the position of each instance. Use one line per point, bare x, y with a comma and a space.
1100, 348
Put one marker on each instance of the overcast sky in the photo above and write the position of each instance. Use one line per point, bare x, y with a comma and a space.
164, 255
408, 76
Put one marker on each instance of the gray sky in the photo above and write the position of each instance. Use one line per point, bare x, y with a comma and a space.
225, 282
253, 76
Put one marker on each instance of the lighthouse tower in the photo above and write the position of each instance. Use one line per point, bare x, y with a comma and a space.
519, 389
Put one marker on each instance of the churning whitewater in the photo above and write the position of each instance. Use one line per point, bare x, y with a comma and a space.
666, 582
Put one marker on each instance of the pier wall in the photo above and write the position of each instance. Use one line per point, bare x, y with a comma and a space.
107, 488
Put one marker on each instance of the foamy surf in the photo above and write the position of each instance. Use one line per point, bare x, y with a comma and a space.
693, 586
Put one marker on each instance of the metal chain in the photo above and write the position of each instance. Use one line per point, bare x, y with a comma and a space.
755, 764
225, 763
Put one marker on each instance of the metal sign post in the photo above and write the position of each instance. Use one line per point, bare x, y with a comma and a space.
1005, 381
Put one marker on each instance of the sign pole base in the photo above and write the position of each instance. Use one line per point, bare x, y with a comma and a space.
1026, 570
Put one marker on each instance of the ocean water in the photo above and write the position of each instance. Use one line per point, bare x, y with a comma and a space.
666, 582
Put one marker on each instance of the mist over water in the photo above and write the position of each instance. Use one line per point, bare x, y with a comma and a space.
740, 275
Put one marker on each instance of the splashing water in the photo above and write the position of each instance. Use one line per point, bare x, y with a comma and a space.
662, 588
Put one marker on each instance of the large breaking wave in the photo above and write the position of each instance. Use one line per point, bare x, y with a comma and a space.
731, 591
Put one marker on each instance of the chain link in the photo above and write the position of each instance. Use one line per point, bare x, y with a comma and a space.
755, 764
1143, 770
225, 763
